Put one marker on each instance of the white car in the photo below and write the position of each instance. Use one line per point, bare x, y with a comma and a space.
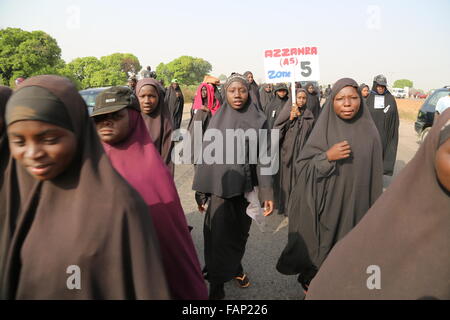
399, 93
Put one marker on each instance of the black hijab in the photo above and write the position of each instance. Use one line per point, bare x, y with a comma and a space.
406, 234
88, 216
275, 106
387, 122
229, 180
330, 198
266, 97
313, 103
254, 91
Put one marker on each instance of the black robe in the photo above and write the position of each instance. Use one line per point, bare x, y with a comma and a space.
387, 122
274, 108
175, 105
330, 198
313, 103
226, 225
265, 97
406, 234
293, 136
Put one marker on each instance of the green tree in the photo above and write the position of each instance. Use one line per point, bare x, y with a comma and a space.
223, 77
82, 70
187, 70
124, 62
108, 77
24, 53
403, 83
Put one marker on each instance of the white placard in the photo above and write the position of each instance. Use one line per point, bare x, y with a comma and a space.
379, 102
291, 64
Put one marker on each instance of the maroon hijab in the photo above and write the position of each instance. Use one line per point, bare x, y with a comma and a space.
159, 123
138, 161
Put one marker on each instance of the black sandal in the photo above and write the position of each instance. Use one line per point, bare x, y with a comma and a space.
242, 280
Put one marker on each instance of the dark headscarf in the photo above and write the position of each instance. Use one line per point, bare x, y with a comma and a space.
175, 104
266, 97
254, 91
361, 87
273, 109
293, 136
387, 121
229, 180
406, 234
88, 216
159, 123
330, 198
313, 103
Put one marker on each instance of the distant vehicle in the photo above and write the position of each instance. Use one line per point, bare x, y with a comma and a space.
422, 96
399, 93
425, 117
89, 96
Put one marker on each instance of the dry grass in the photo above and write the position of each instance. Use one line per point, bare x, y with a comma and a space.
408, 108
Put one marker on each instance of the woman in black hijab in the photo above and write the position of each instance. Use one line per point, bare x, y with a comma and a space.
405, 236
254, 89
227, 225
383, 108
313, 100
174, 100
365, 91
266, 95
295, 124
72, 226
273, 109
340, 175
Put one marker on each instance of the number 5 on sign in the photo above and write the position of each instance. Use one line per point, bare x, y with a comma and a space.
292, 64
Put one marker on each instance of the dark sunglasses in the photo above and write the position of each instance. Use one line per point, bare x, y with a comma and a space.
115, 116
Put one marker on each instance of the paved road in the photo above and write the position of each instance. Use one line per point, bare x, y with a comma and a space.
264, 248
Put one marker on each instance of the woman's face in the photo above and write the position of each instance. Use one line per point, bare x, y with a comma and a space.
148, 99
113, 127
442, 163
268, 88
204, 92
250, 77
45, 150
381, 89
347, 103
237, 95
365, 92
311, 89
282, 93
301, 99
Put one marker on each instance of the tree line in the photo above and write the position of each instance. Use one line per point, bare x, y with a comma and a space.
26, 54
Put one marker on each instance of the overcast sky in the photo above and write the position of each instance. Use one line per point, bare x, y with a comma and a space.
358, 39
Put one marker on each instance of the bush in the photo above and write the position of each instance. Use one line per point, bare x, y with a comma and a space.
189, 93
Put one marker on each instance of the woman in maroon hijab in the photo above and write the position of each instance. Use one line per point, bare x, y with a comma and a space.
132, 153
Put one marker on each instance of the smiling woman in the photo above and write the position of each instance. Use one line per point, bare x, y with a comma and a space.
68, 206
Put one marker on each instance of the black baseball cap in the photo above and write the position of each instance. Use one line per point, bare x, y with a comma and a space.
114, 99
380, 80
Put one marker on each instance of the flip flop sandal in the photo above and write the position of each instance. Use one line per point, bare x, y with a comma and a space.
243, 281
